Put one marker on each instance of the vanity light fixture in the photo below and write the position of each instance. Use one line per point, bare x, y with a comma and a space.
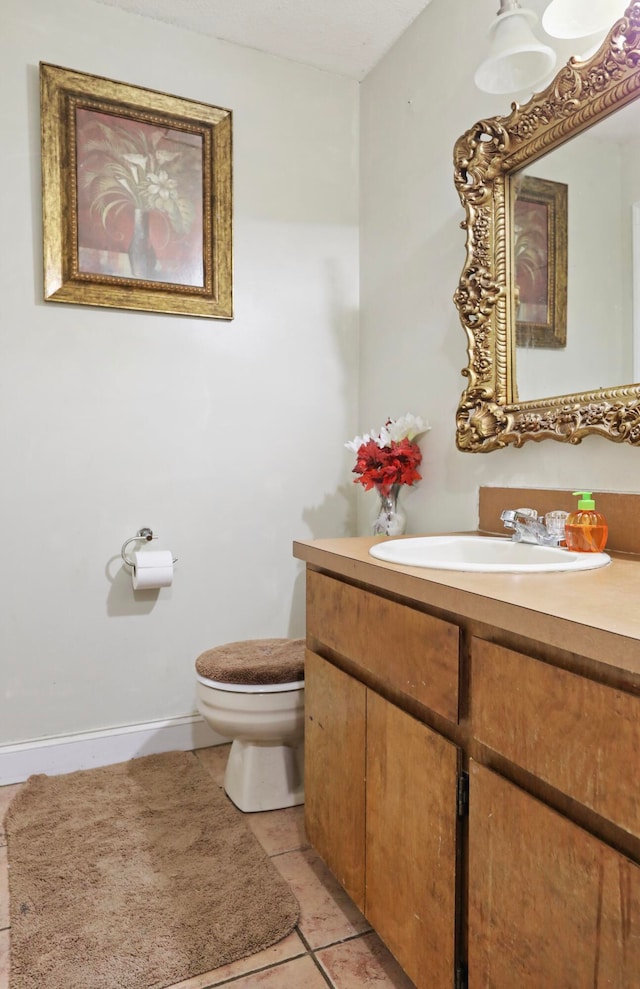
517, 60
579, 19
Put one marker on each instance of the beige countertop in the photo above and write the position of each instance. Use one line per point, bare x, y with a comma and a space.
593, 613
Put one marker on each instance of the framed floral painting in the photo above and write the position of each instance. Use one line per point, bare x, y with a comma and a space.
137, 197
540, 256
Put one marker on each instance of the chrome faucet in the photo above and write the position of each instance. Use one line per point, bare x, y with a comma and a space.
528, 528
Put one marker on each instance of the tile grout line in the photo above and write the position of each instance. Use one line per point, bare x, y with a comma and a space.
253, 971
322, 972
315, 961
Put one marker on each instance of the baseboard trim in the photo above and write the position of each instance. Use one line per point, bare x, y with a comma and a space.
86, 750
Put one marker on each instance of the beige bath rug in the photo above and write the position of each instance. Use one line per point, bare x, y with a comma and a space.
135, 876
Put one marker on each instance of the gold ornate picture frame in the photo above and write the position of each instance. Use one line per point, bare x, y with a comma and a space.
487, 160
136, 197
540, 262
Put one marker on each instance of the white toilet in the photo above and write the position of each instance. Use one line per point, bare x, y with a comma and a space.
253, 693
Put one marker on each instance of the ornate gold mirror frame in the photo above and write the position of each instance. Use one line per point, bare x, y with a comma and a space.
489, 416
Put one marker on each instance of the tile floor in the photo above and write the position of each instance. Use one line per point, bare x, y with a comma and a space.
332, 945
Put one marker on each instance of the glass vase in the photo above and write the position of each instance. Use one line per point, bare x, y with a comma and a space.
390, 519
142, 256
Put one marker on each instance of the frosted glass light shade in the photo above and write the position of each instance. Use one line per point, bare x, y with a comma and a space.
517, 60
580, 18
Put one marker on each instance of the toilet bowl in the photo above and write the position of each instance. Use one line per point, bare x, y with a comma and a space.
256, 698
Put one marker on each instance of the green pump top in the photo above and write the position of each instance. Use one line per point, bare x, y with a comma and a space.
586, 500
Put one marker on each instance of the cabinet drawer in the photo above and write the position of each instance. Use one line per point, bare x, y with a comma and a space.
413, 652
580, 736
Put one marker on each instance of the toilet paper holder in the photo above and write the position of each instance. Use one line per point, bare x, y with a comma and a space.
143, 535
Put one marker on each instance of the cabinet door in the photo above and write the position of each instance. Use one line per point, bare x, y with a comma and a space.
549, 905
335, 710
411, 842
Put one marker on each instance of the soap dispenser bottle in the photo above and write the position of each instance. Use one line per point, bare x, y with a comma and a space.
586, 530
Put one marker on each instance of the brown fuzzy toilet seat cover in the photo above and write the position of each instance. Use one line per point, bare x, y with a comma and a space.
254, 661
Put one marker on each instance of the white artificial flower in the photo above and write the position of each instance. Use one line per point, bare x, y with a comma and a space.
357, 442
385, 437
406, 427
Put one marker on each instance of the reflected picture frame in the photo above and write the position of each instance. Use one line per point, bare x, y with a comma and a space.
136, 197
540, 261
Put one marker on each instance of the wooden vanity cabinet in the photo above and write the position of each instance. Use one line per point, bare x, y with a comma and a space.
539, 887
381, 789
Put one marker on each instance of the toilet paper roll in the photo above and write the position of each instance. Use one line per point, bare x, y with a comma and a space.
152, 568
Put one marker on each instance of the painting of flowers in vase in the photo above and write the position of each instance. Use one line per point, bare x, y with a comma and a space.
140, 199
137, 197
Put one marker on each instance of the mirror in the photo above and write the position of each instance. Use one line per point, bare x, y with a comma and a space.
515, 176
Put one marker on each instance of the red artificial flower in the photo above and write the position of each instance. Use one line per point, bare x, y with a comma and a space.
384, 466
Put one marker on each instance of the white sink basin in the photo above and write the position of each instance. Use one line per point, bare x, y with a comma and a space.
483, 554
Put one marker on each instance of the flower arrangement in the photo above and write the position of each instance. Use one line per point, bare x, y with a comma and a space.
390, 456
138, 167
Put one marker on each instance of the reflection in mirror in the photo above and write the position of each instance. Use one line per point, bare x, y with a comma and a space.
600, 171
578, 134
539, 252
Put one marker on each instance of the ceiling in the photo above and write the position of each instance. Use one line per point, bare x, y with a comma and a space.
344, 36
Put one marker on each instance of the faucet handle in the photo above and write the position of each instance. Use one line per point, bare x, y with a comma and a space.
512, 515
527, 513
555, 523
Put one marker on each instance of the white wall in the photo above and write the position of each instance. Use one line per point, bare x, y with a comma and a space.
225, 437
414, 105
